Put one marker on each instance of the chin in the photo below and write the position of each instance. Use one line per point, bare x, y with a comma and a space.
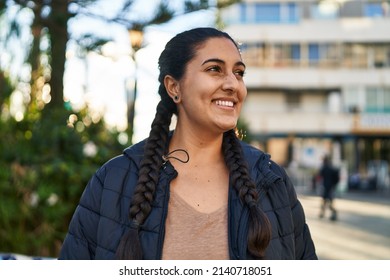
226, 123
228, 127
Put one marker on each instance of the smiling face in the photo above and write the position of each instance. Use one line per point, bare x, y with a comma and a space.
212, 89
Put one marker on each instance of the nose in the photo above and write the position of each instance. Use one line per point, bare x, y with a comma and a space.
230, 82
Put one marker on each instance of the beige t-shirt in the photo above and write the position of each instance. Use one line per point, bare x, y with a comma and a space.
193, 235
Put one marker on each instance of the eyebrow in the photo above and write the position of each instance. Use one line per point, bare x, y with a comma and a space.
217, 60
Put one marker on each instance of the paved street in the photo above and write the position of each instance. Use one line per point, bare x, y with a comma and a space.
362, 231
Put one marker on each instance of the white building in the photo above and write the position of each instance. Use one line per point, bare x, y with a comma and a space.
318, 78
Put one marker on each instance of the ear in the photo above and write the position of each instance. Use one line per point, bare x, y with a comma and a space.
172, 86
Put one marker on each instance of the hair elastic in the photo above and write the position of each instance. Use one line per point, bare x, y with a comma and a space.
168, 156
252, 203
134, 224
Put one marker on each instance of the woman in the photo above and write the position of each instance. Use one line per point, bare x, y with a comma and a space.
197, 192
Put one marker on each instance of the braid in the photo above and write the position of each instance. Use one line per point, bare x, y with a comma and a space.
130, 246
259, 232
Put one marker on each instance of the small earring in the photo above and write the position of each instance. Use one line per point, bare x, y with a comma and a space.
176, 98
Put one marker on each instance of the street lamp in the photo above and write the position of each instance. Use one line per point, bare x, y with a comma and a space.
136, 38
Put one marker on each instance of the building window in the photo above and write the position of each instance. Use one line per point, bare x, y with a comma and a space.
380, 55
373, 10
269, 13
314, 54
253, 54
295, 52
293, 101
352, 101
357, 55
377, 100
292, 13
280, 55
322, 55
330, 55
243, 13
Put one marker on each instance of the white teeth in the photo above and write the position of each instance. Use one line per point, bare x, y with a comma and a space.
224, 103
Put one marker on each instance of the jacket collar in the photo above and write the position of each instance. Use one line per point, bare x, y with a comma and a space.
256, 159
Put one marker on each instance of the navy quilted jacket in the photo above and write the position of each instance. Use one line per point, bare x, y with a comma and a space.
101, 217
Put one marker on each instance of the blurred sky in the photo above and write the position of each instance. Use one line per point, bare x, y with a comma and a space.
102, 81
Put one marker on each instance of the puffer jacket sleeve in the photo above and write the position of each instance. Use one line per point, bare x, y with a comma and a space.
304, 246
80, 241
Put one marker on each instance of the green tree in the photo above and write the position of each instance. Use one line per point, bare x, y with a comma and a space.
5, 88
49, 22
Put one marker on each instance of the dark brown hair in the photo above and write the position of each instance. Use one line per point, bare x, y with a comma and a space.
173, 61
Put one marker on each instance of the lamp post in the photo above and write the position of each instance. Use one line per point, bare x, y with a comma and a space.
136, 38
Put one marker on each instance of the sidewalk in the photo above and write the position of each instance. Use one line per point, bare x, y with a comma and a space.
362, 231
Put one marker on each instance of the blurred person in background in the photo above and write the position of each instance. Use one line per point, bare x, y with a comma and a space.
197, 192
330, 177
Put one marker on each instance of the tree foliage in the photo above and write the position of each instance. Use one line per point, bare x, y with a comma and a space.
44, 167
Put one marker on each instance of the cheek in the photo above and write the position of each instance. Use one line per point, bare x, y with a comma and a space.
243, 93
195, 88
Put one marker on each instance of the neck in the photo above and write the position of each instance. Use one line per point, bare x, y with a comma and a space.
201, 149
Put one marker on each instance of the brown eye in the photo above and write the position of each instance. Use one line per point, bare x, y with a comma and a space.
240, 73
215, 68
